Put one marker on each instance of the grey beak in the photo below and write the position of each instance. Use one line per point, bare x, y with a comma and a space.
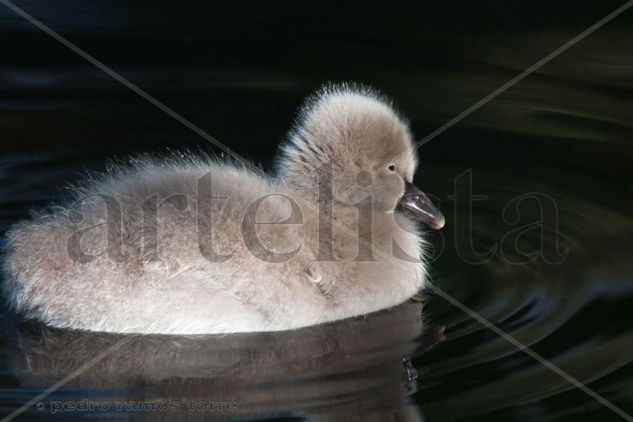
417, 204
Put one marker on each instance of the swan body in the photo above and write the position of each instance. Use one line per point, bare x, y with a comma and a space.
189, 245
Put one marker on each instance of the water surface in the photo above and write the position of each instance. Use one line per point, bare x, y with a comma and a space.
555, 148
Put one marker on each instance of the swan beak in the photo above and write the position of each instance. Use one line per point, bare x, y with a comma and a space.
416, 203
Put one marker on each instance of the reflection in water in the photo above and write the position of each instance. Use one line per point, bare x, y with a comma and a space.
566, 131
350, 369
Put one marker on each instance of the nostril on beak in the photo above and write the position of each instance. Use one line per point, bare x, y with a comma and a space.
416, 203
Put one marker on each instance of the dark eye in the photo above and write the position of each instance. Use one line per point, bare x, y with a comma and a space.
391, 167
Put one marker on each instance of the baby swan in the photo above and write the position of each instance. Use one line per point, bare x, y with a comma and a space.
193, 246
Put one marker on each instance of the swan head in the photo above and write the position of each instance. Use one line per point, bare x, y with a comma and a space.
350, 142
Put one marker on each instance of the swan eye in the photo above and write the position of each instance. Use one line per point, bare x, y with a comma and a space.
391, 167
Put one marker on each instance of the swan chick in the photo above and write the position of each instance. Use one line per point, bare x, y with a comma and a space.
191, 245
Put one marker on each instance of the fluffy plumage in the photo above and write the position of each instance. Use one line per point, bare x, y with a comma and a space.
176, 246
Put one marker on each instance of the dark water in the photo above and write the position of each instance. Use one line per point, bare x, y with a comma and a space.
546, 254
